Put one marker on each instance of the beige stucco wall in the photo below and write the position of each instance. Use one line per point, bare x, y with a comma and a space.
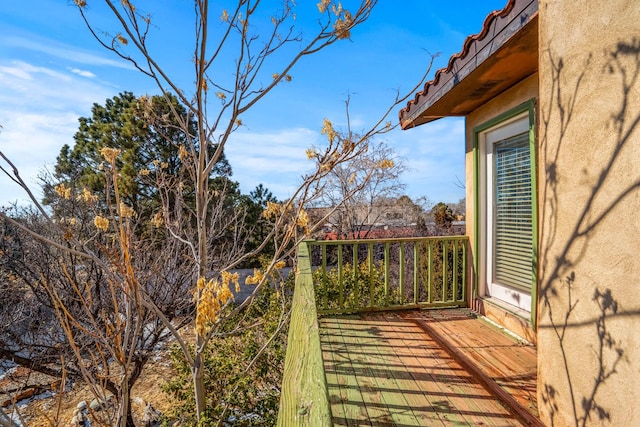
589, 195
524, 91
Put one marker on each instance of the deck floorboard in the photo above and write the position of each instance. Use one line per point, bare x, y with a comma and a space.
386, 369
506, 360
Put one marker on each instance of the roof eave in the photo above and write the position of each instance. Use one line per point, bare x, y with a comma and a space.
501, 55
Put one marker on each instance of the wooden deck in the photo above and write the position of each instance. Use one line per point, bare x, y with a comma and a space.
426, 368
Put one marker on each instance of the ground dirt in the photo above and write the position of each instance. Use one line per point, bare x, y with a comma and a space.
57, 410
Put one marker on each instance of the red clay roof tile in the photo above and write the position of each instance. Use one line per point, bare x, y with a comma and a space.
467, 47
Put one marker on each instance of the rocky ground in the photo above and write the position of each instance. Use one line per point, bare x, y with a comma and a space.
38, 403
34, 398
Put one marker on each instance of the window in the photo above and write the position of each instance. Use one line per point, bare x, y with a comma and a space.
506, 212
512, 217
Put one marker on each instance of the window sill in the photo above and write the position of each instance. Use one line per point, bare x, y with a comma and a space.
513, 319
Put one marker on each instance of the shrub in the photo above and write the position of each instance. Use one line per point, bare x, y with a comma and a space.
242, 383
363, 288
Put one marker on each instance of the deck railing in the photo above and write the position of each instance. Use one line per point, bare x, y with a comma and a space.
388, 274
304, 400
359, 275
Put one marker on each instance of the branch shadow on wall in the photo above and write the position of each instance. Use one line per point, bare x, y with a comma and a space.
559, 274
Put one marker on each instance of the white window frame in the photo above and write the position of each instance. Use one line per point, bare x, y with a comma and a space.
518, 299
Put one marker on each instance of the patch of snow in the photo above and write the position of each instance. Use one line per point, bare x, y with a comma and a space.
14, 418
6, 367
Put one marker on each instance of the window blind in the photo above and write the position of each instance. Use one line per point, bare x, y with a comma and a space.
513, 226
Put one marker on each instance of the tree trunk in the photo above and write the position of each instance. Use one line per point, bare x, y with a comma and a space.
198, 380
130, 422
202, 186
125, 417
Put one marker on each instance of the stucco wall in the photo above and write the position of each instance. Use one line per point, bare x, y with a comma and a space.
518, 94
589, 195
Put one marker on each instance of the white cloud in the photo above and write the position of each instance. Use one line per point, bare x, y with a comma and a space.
6, 72
68, 53
435, 155
277, 159
39, 111
29, 87
24, 72
82, 73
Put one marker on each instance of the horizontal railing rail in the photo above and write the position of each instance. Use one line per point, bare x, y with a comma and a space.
387, 274
304, 400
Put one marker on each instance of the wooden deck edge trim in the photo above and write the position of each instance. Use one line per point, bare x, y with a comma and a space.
515, 406
304, 400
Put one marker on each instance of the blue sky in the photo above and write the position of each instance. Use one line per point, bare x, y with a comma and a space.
52, 71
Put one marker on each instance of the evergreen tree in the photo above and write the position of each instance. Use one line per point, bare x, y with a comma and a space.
147, 132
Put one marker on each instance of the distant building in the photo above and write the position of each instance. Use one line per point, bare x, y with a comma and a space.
386, 218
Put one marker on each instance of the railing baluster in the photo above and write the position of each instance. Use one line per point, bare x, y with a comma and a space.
430, 273
324, 275
340, 278
415, 272
464, 271
401, 271
386, 274
356, 296
370, 266
445, 270
455, 271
